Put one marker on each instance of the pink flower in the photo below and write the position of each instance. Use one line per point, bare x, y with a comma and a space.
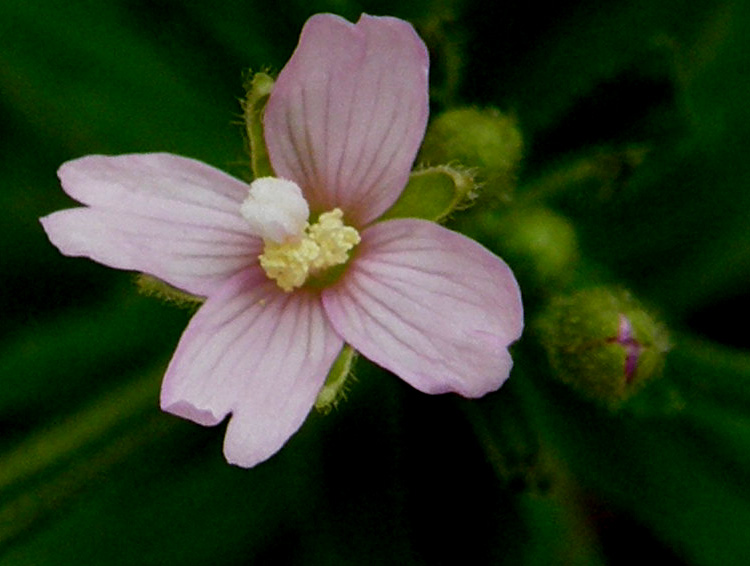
343, 125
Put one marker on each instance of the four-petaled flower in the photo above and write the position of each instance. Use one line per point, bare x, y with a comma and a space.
295, 266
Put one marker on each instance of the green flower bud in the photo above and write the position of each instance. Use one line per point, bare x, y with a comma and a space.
540, 244
602, 343
483, 139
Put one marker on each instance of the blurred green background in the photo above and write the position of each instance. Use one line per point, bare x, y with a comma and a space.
92, 473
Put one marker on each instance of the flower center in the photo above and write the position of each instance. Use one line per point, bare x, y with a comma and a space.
295, 250
322, 245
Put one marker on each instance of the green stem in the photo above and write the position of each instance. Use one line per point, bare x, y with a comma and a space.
605, 168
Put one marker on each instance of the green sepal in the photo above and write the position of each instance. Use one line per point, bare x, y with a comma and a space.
433, 193
335, 387
153, 287
257, 89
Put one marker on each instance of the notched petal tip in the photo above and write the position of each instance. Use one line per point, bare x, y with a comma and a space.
348, 113
49, 225
256, 353
175, 218
60, 229
402, 30
246, 446
150, 183
187, 410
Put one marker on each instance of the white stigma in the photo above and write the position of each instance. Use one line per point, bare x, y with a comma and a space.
275, 210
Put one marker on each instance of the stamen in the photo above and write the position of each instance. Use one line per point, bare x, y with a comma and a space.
323, 245
289, 263
334, 238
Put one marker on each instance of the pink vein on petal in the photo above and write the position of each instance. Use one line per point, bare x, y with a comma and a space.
354, 59
438, 329
257, 353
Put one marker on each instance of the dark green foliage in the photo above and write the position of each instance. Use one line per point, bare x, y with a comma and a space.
645, 101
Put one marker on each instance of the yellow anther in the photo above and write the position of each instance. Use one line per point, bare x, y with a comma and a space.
323, 245
289, 263
334, 238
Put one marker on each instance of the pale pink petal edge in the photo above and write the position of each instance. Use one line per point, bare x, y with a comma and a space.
430, 305
348, 113
256, 353
171, 217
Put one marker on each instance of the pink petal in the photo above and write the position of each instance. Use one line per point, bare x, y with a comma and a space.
258, 353
172, 217
430, 305
194, 259
348, 113
157, 185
